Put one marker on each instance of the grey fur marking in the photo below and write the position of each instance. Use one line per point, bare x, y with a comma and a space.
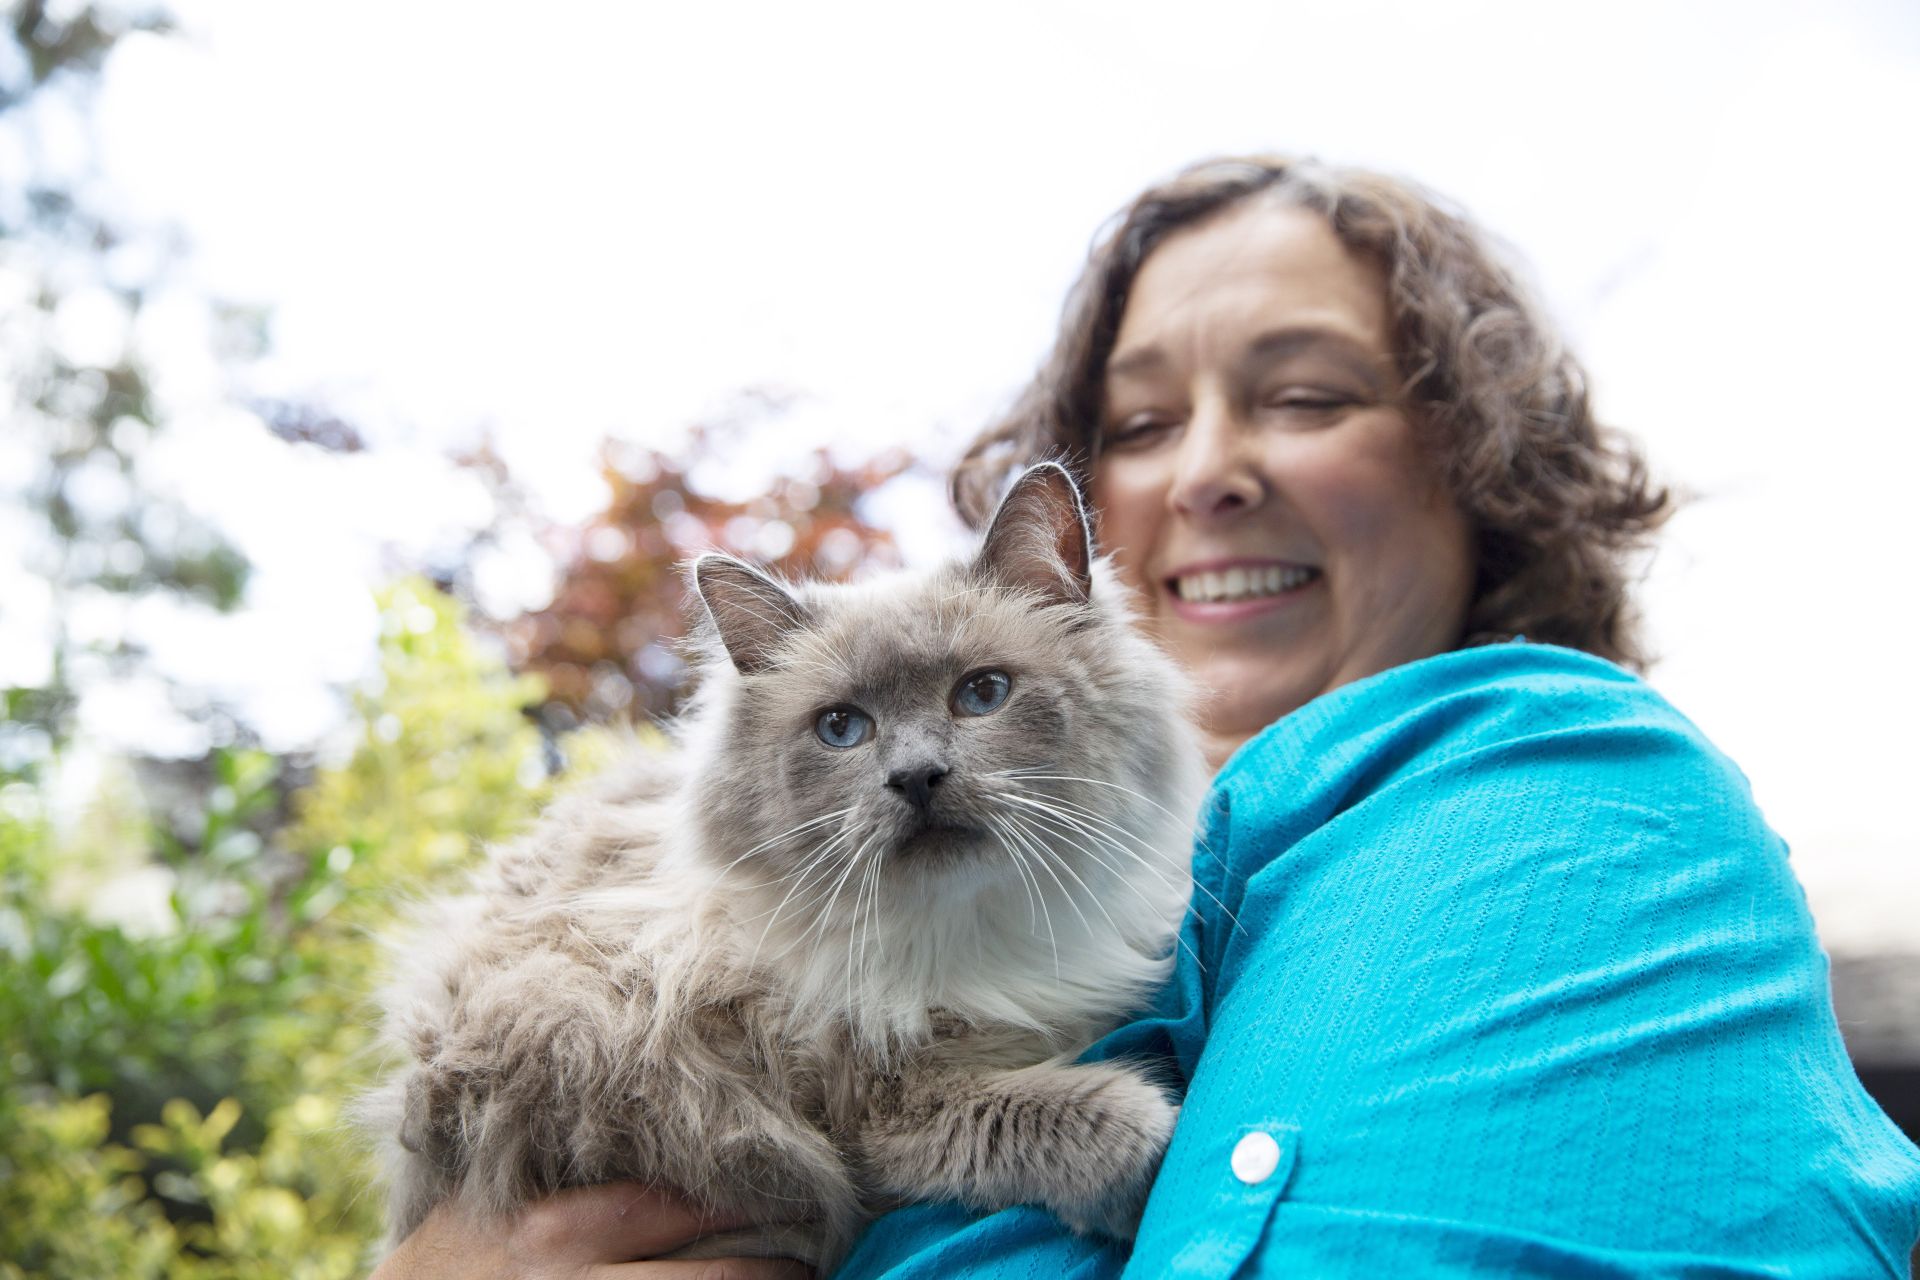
751, 969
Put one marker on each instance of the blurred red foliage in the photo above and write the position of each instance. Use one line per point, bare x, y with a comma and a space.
607, 644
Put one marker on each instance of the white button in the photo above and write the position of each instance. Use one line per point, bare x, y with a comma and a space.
1255, 1157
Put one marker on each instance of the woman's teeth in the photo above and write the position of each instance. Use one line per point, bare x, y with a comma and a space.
1242, 583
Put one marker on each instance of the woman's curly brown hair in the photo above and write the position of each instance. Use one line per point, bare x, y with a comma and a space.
1560, 504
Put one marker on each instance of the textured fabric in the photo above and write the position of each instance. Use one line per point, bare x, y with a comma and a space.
1497, 951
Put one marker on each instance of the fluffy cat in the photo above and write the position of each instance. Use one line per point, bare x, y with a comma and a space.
922, 840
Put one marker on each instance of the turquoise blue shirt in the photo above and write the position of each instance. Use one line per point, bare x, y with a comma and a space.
1495, 971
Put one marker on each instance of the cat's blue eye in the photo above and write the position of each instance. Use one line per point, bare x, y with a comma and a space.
982, 692
843, 727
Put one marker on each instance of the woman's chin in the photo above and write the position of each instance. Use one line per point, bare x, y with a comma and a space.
1246, 694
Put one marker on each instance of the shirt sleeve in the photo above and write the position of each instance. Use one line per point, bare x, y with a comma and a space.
939, 1242
1508, 977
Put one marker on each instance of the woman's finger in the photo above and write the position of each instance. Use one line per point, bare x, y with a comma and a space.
578, 1232
611, 1223
706, 1269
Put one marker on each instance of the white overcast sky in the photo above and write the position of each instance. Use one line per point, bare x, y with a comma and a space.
566, 221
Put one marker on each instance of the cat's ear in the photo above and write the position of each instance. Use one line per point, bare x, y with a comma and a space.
1039, 539
753, 614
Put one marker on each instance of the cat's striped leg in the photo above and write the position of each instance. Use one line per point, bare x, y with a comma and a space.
1084, 1140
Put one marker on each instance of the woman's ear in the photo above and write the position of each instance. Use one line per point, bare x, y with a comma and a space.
753, 614
1039, 539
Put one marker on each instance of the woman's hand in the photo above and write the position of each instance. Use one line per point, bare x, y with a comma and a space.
587, 1233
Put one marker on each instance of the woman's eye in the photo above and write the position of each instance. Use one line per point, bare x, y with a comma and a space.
1136, 432
1306, 401
843, 727
981, 693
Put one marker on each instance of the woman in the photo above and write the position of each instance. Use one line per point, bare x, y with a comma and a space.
1498, 971
1466, 496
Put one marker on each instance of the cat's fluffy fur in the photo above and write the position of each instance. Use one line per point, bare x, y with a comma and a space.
805, 981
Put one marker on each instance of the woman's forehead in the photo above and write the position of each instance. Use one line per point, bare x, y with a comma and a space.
1254, 274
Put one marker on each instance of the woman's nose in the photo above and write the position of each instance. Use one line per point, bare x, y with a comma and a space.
1215, 476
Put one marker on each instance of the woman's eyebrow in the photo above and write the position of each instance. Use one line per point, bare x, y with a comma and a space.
1276, 345
1269, 348
1139, 360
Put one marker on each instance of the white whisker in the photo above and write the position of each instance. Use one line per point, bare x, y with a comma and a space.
1019, 861
1041, 854
1078, 817
1063, 813
873, 911
1030, 887
821, 857
1186, 821
794, 830
819, 925
1116, 872
1040, 842
853, 929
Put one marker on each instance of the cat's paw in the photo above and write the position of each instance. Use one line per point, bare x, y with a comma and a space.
1085, 1140
1133, 1123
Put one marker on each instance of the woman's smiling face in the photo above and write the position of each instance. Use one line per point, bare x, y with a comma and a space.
1257, 480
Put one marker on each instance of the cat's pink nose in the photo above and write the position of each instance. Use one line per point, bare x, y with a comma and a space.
916, 782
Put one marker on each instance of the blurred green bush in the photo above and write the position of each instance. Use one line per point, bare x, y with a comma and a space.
171, 1095
185, 978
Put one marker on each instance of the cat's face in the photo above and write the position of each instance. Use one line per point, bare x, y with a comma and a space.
993, 722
